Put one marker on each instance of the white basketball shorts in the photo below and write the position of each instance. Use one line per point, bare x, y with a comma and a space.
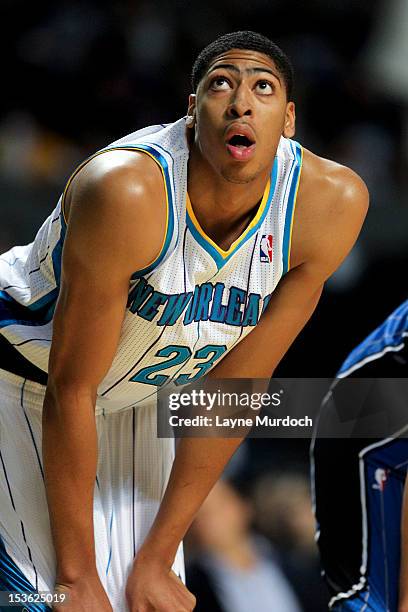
133, 470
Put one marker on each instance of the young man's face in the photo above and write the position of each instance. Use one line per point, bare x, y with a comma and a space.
240, 112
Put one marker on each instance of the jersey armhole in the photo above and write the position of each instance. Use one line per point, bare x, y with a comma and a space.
163, 165
291, 206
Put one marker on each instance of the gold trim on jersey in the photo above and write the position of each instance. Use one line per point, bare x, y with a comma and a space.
238, 241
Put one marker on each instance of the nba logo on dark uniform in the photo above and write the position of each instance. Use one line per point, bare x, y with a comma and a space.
266, 248
381, 477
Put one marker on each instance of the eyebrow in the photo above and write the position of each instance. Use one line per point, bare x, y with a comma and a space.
247, 70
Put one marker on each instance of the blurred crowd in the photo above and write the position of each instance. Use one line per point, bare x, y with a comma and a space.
79, 74
253, 549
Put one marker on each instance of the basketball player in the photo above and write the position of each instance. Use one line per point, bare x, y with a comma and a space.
359, 482
173, 251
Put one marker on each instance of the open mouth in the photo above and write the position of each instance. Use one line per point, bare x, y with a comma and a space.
240, 147
240, 141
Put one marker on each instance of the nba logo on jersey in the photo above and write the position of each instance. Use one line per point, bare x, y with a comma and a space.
266, 248
381, 477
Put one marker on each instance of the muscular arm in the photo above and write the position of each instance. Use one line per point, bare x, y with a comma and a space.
108, 238
322, 239
329, 216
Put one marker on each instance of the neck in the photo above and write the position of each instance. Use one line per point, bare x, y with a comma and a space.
222, 206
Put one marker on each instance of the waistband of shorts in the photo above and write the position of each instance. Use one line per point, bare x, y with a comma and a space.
13, 386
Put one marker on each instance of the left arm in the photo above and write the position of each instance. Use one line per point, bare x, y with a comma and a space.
199, 462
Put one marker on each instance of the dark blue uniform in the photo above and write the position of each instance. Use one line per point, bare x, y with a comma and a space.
359, 482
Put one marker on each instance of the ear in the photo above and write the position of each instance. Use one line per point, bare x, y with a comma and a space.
290, 121
191, 110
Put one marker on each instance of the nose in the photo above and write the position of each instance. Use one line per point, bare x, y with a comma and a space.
239, 105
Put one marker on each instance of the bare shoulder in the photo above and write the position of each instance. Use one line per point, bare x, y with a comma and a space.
120, 175
118, 198
330, 185
331, 206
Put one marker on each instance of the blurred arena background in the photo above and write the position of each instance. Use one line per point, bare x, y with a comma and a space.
77, 75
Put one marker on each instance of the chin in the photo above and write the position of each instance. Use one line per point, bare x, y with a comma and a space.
239, 176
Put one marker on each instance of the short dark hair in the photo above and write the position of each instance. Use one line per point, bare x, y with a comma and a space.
243, 40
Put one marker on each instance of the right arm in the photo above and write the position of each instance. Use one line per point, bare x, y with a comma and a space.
110, 235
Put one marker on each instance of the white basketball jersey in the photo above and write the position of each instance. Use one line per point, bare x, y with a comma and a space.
187, 309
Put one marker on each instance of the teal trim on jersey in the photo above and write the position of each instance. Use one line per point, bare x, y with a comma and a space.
15, 313
290, 208
160, 159
12, 580
41, 311
220, 261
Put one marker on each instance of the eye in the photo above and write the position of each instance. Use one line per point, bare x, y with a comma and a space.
265, 88
220, 84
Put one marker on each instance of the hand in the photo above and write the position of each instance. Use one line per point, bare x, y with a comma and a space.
153, 587
84, 595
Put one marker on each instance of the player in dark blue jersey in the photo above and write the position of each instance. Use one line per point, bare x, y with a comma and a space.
358, 479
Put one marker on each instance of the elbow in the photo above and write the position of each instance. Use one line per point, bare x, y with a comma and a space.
65, 395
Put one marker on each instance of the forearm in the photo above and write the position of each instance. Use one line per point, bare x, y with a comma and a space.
403, 598
70, 461
198, 464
